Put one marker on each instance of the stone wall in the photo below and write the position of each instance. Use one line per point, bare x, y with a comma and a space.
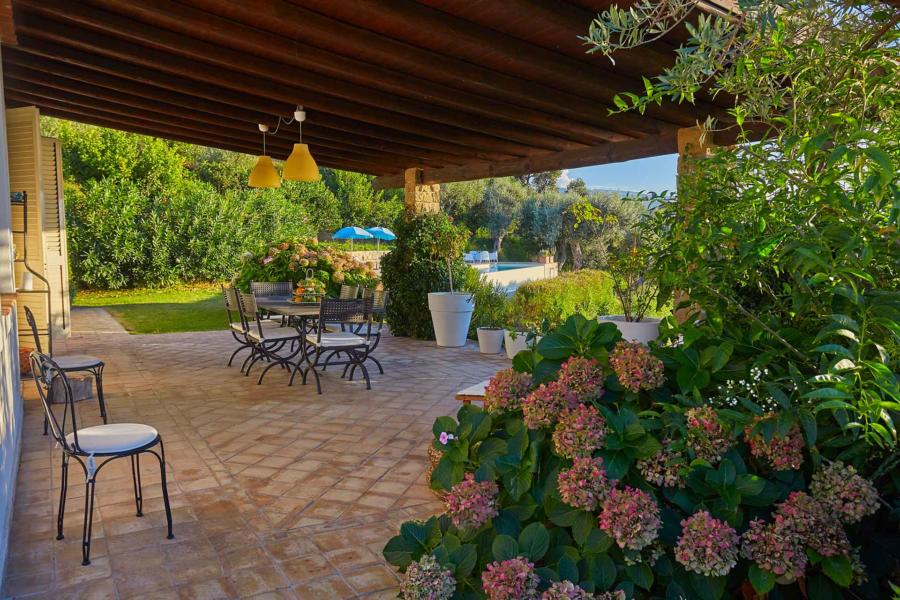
369, 256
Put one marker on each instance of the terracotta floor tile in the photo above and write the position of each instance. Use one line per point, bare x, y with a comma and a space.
371, 579
258, 579
305, 568
328, 587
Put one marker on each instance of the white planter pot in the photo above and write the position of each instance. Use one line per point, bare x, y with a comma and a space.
514, 346
490, 340
645, 330
451, 315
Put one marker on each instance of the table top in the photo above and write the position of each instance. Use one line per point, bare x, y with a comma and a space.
290, 309
473, 392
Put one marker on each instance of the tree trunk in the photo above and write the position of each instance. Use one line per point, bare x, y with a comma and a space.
577, 256
498, 241
562, 254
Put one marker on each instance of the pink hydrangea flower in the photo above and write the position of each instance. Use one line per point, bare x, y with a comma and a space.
267, 260
631, 517
707, 545
782, 453
583, 376
543, 406
471, 503
635, 367
705, 434
580, 431
809, 522
584, 485
844, 493
512, 579
425, 579
774, 548
566, 590
506, 390
662, 469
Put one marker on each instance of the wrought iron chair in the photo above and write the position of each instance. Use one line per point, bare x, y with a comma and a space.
380, 300
349, 292
236, 325
72, 363
272, 290
353, 345
85, 445
267, 342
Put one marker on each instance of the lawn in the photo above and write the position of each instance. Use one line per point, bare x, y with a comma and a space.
165, 310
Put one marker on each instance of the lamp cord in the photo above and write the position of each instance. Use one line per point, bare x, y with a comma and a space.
287, 121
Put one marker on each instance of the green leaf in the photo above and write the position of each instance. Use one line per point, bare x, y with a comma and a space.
838, 569
464, 558
707, 588
400, 551
641, 575
442, 424
582, 527
534, 541
762, 581
826, 393
447, 473
504, 547
602, 571
568, 569
597, 542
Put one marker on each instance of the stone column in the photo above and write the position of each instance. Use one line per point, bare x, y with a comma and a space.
420, 197
694, 143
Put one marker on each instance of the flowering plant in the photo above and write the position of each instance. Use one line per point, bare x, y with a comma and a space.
636, 493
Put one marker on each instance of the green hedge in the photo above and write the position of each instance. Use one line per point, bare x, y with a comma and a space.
586, 292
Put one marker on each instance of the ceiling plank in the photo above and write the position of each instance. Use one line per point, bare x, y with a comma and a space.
228, 33
569, 159
41, 66
177, 54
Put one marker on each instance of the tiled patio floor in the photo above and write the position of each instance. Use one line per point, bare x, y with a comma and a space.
276, 492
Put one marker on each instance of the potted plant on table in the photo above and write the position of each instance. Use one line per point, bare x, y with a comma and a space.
451, 312
637, 290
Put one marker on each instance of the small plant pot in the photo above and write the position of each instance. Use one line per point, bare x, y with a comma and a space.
514, 346
490, 340
451, 314
644, 331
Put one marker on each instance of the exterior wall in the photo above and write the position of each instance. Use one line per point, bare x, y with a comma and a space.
369, 256
420, 198
56, 259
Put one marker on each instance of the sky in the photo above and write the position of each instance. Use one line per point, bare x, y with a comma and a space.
646, 174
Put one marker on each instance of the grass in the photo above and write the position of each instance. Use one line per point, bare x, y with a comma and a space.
165, 310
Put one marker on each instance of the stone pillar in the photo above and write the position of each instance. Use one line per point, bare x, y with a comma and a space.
420, 197
694, 143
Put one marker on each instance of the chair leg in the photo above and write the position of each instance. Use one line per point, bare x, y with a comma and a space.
88, 521
165, 488
98, 376
63, 488
136, 479
230, 360
378, 364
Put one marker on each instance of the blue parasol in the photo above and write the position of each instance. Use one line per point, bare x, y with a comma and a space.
351, 233
381, 233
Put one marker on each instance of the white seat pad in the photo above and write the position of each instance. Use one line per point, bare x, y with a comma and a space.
273, 334
116, 437
76, 361
266, 323
336, 340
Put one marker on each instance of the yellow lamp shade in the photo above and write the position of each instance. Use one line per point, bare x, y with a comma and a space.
264, 174
300, 165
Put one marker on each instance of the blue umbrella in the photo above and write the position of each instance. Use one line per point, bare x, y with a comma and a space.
351, 233
381, 233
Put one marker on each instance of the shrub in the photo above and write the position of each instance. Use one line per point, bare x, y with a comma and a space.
552, 301
603, 521
417, 266
293, 260
491, 301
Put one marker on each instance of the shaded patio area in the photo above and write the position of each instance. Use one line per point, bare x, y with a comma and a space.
276, 492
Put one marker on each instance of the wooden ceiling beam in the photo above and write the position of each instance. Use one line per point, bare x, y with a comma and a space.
215, 133
39, 65
7, 25
466, 40
67, 90
213, 29
340, 37
325, 160
177, 54
569, 159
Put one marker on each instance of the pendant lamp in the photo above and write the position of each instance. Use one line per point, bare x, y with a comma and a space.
300, 165
264, 174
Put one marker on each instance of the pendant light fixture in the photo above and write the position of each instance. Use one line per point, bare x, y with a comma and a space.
300, 165
264, 174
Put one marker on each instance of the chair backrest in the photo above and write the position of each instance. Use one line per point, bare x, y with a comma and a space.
494, 256
45, 372
29, 316
349, 292
249, 311
272, 289
231, 303
338, 310
484, 256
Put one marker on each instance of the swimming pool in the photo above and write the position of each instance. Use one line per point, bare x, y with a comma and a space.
513, 274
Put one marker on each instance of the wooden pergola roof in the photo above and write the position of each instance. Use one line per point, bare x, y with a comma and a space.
459, 88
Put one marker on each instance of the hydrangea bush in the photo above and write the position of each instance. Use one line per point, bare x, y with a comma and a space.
602, 471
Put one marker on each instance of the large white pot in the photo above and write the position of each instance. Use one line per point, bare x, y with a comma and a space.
451, 314
645, 330
514, 346
490, 340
